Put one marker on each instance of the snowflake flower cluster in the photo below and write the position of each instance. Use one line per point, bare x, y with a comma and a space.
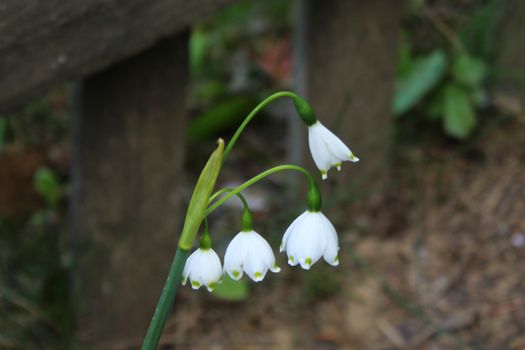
308, 238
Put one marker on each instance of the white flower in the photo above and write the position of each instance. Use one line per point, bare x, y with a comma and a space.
327, 149
203, 268
309, 237
249, 252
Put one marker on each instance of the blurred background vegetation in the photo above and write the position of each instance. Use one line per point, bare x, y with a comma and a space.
446, 94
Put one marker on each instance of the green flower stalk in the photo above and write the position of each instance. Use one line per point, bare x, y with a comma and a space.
305, 111
194, 217
256, 179
326, 148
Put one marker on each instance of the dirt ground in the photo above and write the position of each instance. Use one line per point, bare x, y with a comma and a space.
436, 261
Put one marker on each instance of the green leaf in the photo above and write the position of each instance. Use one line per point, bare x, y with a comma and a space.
467, 70
413, 85
231, 290
47, 185
459, 118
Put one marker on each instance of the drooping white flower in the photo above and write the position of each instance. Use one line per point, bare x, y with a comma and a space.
327, 149
249, 252
309, 237
203, 268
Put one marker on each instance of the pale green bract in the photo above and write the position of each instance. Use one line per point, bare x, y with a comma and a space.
201, 195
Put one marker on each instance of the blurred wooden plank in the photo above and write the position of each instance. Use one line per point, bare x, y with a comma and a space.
350, 67
46, 42
129, 148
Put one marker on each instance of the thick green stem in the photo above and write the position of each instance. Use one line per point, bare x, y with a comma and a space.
304, 110
256, 179
165, 301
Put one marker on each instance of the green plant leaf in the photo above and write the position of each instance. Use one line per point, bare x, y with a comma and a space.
47, 185
459, 118
467, 70
231, 290
413, 85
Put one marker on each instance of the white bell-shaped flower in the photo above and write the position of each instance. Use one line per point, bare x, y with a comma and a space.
310, 237
249, 252
203, 268
327, 149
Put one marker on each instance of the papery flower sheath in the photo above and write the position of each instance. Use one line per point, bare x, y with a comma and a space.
203, 268
327, 149
249, 252
310, 237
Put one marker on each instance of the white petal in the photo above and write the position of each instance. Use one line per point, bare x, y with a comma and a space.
203, 268
193, 270
327, 149
293, 238
305, 244
293, 231
290, 229
316, 245
235, 256
334, 144
330, 254
320, 153
254, 266
249, 252
266, 252
310, 237
211, 271
187, 269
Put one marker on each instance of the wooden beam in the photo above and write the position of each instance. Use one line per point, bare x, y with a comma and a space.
43, 43
126, 200
351, 55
